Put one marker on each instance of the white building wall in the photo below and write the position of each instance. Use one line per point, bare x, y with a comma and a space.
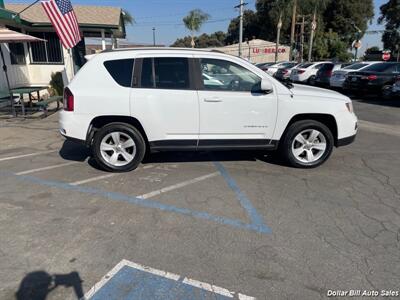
32, 74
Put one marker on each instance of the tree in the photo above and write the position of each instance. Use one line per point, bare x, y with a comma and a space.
128, 18
390, 15
193, 22
340, 15
251, 27
216, 39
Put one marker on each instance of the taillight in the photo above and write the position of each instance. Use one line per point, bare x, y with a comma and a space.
68, 100
285, 71
300, 71
370, 77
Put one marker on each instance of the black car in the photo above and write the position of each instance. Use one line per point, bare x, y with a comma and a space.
324, 74
375, 78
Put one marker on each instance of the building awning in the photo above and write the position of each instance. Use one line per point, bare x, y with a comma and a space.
11, 36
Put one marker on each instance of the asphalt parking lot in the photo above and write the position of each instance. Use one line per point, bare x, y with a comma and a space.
201, 225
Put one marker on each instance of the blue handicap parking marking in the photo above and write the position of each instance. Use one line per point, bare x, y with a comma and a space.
256, 220
130, 283
129, 280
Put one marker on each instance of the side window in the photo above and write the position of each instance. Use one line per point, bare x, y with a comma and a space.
318, 66
120, 70
165, 73
222, 75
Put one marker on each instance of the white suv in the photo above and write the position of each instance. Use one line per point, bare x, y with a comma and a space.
123, 103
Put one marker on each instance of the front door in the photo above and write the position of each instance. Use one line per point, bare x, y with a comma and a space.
233, 110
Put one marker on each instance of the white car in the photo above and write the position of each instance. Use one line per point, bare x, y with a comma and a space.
306, 72
123, 103
338, 77
272, 69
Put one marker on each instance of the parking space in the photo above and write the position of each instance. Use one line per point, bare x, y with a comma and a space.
238, 223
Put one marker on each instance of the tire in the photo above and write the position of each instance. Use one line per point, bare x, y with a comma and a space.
311, 80
118, 147
386, 92
291, 146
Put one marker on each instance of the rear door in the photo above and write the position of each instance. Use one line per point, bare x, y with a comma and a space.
164, 100
233, 110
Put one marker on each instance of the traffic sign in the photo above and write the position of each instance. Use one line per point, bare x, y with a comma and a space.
385, 55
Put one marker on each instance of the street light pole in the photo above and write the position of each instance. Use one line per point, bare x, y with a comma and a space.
240, 6
154, 36
278, 35
313, 27
294, 18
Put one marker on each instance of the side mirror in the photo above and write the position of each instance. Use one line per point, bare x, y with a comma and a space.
266, 85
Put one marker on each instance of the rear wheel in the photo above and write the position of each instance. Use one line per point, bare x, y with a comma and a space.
311, 80
118, 147
387, 92
307, 144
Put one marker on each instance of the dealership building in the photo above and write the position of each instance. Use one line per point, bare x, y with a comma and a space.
258, 51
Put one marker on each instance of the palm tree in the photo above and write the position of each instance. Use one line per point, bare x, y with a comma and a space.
128, 19
194, 20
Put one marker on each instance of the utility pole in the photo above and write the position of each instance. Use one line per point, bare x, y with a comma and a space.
154, 36
302, 39
278, 35
313, 28
293, 29
240, 6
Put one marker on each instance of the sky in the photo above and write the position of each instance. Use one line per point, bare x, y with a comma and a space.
166, 16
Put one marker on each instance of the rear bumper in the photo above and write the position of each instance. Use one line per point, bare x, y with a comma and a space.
346, 141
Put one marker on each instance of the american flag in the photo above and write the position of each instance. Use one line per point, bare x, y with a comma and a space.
62, 16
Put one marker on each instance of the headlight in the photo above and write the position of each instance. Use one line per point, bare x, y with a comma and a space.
349, 106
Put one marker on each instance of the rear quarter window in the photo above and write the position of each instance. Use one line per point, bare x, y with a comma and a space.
120, 70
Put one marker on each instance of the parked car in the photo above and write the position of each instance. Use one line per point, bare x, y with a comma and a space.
272, 69
264, 66
338, 77
306, 72
283, 74
374, 79
126, 102
324, 74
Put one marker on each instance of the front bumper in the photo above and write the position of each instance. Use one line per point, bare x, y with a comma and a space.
346, 141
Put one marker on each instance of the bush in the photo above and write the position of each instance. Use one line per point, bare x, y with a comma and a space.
56, 83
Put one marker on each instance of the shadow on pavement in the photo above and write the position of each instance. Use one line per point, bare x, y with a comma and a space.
38, 285
78, 152
74, 151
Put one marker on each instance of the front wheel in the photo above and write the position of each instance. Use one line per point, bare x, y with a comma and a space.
307, 144
118, 147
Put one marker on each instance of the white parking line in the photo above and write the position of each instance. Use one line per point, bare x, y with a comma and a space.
103, 176
27, 155
177, 186
93, 179
188, 281
46, 168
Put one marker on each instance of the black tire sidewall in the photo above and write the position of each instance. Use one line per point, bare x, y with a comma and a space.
127, 129
294, 130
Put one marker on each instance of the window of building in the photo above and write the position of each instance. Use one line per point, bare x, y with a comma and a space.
222, 75
48, 52
165, 73
121, 70
17, 53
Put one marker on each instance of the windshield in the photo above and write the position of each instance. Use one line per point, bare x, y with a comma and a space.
355, 66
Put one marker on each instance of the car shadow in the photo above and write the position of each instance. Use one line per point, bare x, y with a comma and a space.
38, 285
77, 152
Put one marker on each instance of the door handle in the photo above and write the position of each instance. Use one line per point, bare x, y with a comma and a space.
213, 99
